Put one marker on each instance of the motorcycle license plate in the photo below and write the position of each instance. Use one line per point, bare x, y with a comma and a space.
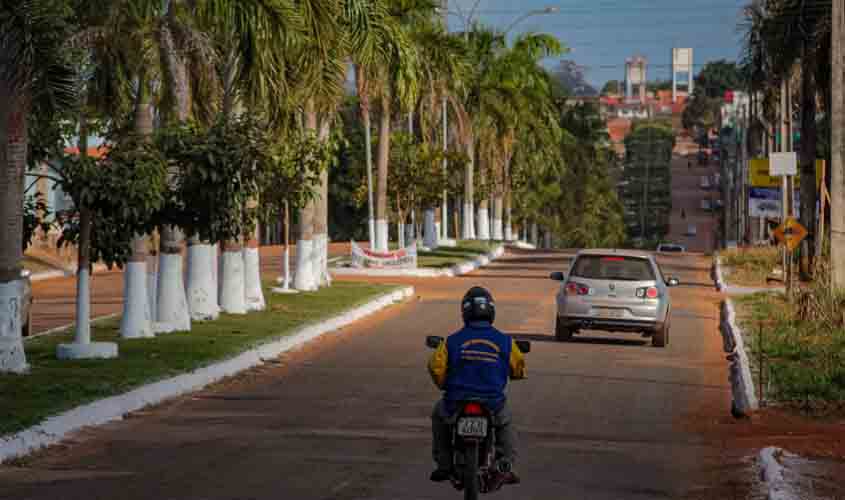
472, 427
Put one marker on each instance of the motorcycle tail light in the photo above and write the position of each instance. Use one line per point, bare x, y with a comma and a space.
473, 409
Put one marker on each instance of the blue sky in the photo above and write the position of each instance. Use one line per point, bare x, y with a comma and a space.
603, 33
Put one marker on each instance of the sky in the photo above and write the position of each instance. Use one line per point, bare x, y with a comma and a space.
603, 33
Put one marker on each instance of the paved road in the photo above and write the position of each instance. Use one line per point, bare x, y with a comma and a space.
604, 417
687, 195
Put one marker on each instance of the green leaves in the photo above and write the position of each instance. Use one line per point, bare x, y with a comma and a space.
123, 190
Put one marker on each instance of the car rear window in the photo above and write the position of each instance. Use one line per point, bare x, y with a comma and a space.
613, 267
671, 248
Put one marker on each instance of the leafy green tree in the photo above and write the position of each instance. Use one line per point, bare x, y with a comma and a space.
647, 180
717, 77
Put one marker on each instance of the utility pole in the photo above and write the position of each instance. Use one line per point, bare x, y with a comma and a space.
837, 169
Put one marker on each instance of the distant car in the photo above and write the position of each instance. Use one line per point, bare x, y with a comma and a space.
670, 248
705, 182
614, 291
691, 230
702, 157
26, 304
706, 205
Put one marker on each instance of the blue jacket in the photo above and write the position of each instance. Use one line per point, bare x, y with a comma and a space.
476, 363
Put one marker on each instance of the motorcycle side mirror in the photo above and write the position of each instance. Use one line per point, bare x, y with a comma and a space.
556, 276
524, 346
433, 341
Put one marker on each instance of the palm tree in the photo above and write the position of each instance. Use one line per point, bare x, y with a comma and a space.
33, 68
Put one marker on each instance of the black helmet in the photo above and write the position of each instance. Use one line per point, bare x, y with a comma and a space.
478, 305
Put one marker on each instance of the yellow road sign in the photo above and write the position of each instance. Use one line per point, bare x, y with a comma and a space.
758, 173
791, 233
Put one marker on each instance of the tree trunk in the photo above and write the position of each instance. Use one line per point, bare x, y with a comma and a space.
383, 165
13, 151
468, 232
172, 300
321, 219
498, 232
366, 120
136, 321
430, 235
837, 168
304, 278
508, 216
808, 158
253, 292
483, 220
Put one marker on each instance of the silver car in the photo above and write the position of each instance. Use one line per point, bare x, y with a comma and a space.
614, 291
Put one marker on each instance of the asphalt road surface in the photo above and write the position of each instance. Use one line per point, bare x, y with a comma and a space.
603, 417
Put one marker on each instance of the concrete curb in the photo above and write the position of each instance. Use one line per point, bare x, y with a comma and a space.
64, 273
718, 277
522, 245
56, 428
742, 383
771, 473
456, 270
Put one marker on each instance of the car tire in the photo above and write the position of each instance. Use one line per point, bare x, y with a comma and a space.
562, 332
26, 328
661, 335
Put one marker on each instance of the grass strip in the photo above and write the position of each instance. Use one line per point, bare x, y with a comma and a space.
443, 257
750, 266
52, 386
803, 361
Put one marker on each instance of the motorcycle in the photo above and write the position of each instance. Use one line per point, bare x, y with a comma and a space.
477, 469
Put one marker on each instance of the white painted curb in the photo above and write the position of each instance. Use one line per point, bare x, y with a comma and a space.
523, 245
717, 274
54, 429
64, 273
742, 383
456, 270
771, 473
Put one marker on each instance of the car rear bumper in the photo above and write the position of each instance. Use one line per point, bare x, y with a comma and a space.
611, 325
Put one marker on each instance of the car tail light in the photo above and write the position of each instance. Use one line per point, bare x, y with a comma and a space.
473, 409
648, 293
573, 288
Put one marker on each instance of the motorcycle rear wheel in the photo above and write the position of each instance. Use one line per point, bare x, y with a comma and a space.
471, 485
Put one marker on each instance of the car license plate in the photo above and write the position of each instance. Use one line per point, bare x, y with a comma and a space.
610, 313
472, 427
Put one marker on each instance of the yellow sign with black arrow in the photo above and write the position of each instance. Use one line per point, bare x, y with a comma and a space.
791, 233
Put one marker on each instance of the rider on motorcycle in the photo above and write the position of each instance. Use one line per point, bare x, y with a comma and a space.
475, 363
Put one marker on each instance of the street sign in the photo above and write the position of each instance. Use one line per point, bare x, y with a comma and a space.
760, 176
784, 164
791, 233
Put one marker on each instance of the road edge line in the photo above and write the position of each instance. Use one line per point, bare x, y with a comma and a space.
57, 427
744, 398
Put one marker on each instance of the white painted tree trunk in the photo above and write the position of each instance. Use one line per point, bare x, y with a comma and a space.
410, 237
202, 292
82, 347
483, 224
253, 292
430, 233
172, 315
152, 289
498, 230
321, 260
12, 357
535, 234
304, 279
136, 321
508, 232
469, 215
400, 233
232, 284
547, 239
382, 239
